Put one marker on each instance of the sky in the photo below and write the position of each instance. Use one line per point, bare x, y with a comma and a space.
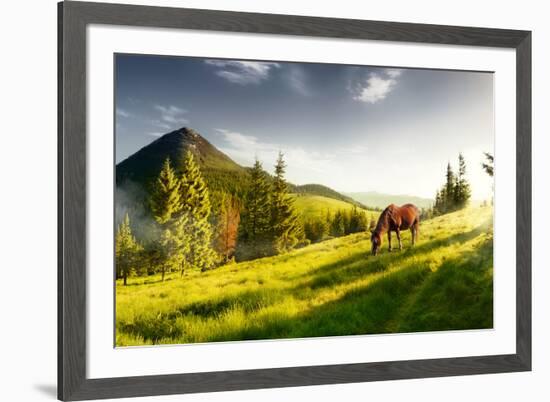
352, 128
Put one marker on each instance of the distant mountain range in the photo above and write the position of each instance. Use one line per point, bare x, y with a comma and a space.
381, 200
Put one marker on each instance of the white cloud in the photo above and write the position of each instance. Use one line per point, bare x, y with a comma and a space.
156, 134
170, 116
122, 113
243, 72
246, 148
161, 124
378, 86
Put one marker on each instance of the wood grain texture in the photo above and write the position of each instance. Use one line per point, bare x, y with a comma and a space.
73, 19
523, 200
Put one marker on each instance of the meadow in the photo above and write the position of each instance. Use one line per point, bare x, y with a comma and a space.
330, 288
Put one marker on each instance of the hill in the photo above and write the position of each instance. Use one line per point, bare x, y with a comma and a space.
316, 206
219, 170
380, 200
331, 288
324, 191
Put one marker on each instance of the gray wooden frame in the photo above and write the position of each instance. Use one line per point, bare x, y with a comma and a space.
73, 17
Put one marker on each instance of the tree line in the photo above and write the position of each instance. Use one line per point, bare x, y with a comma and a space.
340, 223
189, 236
195, 228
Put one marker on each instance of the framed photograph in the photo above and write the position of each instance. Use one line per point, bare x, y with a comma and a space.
256, 201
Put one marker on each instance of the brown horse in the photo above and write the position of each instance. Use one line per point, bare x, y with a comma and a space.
395, 219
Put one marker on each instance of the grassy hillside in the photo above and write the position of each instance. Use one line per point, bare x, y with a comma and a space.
316, 206
319, 189
380, 200
330, 288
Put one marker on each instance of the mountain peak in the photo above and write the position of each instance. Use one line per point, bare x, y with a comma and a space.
185, 134
145, 164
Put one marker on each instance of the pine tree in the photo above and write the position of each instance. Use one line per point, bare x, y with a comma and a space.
437, 205
337, 225
256, 216
462, 191
449, 189
316, 229
193, 218
444, 200
489, 163
166, 206
127, 250
362, 222
165, 198
152, 256
287, 227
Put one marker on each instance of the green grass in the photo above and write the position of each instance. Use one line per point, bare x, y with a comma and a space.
330, 288
316, 206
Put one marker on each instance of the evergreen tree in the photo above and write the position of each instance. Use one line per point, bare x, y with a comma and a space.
358, 221
127, 250
337, 225
437, 204
193, 218
165, 198
287, 228
362, 222
255, 226
449, 189
455, 193
462, 191
488, 165
173, 242
152, 257
316, 229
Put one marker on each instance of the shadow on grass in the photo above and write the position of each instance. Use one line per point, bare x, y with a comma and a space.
248, 301
362, 263
151, 281
458, 295
464, 302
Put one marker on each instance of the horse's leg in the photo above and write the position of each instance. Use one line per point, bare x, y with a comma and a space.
398, 234
416, 226
413, 233
389, 239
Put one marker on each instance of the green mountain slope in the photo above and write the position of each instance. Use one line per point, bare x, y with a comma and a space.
316, 206
324, 191
380, 200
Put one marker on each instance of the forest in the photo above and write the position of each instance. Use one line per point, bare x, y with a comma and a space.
197, 229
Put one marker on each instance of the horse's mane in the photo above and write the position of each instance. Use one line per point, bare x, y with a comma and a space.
383, 221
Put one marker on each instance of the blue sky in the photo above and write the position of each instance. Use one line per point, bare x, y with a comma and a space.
353, 128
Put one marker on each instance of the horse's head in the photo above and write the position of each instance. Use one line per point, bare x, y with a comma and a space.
376, 241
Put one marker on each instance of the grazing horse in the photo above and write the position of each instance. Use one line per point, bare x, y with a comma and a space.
395, 219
